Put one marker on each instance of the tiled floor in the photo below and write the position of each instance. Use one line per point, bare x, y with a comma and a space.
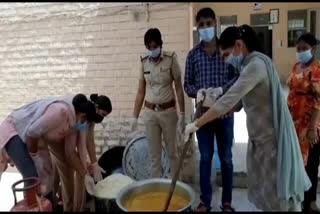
6, 195
240, 201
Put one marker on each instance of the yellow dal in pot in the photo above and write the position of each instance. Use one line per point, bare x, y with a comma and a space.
155, 202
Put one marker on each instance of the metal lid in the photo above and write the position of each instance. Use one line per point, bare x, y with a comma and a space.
136, 159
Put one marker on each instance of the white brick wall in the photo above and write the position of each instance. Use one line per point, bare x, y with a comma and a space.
58, 48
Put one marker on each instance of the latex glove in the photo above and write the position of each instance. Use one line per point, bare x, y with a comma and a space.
215, 91
190, 129
211, 96
97, 172
134, 125
181, 122
200, 95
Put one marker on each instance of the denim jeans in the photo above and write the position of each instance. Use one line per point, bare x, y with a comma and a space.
223, 130
19, 154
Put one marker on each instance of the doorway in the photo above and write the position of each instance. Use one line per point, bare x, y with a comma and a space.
265, 37
260, 23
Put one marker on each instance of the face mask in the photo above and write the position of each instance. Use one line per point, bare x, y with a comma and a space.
235, 61
98, 118
207, 34
81, 126
155, 53
304, 57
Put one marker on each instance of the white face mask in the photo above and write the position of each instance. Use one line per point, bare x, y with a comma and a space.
304, 57
155, 53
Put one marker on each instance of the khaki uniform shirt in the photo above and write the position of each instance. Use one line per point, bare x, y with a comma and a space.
159, 77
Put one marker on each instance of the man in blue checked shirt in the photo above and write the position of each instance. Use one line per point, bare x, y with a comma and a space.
206, 72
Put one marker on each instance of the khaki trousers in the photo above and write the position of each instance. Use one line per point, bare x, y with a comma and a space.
72, 184
158, 123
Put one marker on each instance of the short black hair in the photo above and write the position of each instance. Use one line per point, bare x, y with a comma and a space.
228, 37
206, 12
308, 38
102, 101
153, 35
82, 105
245, 33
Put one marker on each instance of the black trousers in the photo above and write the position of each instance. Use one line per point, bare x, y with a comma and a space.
312, 171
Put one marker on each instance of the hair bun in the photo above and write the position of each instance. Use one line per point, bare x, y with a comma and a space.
93, 97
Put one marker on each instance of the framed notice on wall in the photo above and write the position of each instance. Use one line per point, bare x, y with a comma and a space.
274, 16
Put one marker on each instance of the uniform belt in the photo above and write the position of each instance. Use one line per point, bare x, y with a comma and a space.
160, 107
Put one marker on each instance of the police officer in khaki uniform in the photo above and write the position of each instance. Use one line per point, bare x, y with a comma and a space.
159, 70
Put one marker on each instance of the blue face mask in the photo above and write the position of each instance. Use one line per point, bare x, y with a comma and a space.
207, 34
304, 57
235, 61
155, 53
81, 126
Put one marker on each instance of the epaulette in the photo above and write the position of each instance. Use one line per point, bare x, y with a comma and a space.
168, 53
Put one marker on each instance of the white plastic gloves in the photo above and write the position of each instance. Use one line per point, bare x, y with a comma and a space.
208, 96
215, 91
190, 129
97, 172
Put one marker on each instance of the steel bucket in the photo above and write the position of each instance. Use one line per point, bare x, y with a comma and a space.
154, 185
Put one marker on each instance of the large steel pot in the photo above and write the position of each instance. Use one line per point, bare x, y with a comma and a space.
137, 154
154, 185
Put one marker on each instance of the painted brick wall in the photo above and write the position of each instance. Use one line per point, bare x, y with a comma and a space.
59, 48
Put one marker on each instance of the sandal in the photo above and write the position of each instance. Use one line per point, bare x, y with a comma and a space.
202, 208
227, 208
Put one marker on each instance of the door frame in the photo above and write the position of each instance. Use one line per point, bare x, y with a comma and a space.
267, 25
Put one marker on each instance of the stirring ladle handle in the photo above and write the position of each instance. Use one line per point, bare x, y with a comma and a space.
185, 149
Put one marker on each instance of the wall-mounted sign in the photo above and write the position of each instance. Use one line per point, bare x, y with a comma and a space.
257, 6
274, 16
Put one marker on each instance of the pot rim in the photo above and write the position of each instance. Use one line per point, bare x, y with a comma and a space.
156, 180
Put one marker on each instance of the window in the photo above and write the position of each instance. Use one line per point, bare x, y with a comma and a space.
297, 25
227, 21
